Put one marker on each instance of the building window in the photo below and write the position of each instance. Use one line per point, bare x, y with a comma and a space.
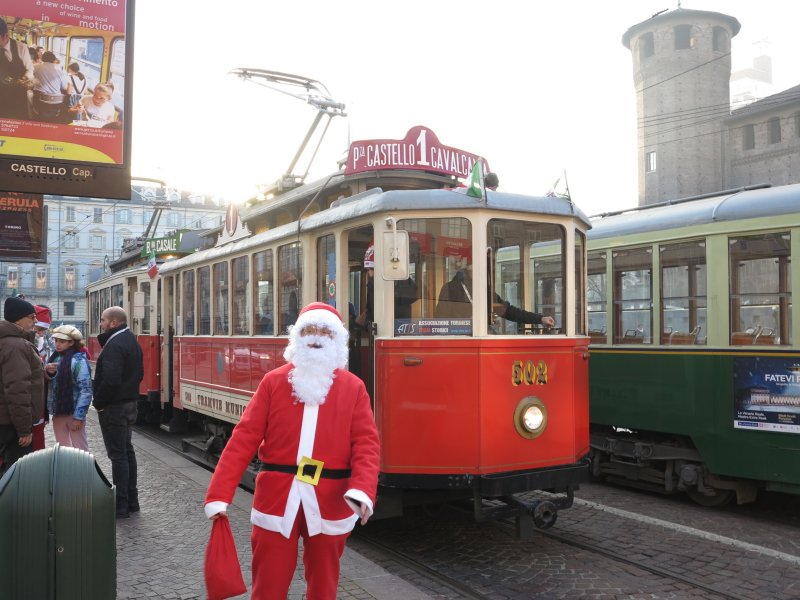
12, 279
774, 125
683, 37
41, 278
646, 46
70, 239
650, 162
124, 216
69, 278
70, 213
98, 215
69, 309
98, 242
174, 219
147, 216
748, 137
720, 40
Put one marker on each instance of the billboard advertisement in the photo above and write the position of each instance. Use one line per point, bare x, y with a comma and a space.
23, 227
65, 92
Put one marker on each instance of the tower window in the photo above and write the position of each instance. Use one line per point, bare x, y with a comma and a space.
748, 137
646, 46
720, 40
683, 37
650, 162
774, 125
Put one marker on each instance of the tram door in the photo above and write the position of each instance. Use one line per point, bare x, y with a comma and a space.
361, 303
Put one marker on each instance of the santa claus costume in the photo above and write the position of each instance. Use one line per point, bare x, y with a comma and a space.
312, 425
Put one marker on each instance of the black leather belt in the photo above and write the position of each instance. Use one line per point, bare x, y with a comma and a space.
308, 470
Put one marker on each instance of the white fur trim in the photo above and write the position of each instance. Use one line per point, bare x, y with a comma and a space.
319, 316
212, 508
358, 495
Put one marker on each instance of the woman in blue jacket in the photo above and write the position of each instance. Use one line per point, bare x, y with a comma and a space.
70, 388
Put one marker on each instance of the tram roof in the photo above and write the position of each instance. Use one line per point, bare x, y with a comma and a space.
377, 201
732, 206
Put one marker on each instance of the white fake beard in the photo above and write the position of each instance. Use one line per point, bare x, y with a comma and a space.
313, 372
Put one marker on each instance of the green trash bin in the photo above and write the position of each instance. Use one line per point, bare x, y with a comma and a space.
57, 528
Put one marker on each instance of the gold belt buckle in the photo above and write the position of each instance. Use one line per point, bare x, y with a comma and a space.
312, 479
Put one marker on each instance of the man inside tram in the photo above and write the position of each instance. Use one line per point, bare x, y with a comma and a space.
405, 293
455, 301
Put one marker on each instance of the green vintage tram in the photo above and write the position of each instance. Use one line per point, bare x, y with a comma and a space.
695, 345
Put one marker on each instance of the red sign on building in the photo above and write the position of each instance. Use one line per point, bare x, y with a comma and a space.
420, 150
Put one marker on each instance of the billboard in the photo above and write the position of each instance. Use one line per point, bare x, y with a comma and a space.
65, 97
23, 227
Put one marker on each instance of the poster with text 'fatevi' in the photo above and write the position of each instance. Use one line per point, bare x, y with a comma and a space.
65, 79
767, 393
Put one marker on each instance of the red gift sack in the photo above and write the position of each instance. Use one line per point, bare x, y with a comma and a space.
222, 570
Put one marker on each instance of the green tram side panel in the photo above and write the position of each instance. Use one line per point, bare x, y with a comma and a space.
688, 394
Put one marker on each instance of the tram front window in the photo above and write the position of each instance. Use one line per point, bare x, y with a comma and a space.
526, 272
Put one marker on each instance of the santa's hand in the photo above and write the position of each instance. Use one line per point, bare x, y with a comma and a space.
364, 513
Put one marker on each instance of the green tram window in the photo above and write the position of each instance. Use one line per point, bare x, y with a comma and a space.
204, 300
326, 270
221, 298
760, 289
683, 293
596, 295
188, 306
633, 296
290, 292
240, 315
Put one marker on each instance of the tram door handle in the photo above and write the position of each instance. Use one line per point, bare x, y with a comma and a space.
412, 361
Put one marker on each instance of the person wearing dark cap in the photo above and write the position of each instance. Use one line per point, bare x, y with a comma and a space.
22, 393
491, 181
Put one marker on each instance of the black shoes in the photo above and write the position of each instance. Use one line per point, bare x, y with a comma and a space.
123, 515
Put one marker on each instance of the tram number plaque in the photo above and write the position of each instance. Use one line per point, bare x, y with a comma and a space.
528, 372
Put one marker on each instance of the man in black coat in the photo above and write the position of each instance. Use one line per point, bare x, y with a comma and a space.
118, 371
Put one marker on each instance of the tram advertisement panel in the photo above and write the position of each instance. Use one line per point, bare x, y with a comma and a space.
767, 394
65, 91
23, 227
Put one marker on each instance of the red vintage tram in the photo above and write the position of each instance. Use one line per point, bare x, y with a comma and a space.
467, 405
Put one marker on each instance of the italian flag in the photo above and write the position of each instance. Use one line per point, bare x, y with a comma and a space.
152, 266
474, 182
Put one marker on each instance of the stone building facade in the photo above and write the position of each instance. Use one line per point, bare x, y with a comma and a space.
689, 141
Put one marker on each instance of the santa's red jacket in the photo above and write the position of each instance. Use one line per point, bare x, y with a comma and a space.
341, 433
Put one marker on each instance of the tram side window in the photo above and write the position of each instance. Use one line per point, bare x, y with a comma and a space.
241, 305
442, 278
188, 302
633, 295
94, 313
683, 293
145, 288
263, 293
580, 285
760, 288
204, 301
290, 272
220, 298
326, 270
116, 295
596, 297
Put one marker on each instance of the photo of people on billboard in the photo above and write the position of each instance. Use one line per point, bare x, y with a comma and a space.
62, 80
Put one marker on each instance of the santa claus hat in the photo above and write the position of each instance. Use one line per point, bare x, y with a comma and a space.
42, 316
319, 313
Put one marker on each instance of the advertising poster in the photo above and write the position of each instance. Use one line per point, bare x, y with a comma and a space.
64, 102
23, 227
767, 394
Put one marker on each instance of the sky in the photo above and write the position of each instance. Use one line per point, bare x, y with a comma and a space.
537, 88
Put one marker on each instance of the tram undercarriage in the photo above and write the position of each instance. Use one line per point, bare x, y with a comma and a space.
665, 466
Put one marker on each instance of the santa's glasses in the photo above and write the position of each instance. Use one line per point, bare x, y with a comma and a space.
316, 330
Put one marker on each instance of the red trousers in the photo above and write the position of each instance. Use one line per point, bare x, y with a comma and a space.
275, 560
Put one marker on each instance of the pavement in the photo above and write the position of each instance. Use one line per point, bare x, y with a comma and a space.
161, 549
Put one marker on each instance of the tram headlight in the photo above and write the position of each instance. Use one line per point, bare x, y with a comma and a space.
530, 417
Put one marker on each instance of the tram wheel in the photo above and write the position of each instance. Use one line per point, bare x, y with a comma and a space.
720, 497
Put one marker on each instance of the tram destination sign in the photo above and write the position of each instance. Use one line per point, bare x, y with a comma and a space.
164, 245
68, 144
419, 150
